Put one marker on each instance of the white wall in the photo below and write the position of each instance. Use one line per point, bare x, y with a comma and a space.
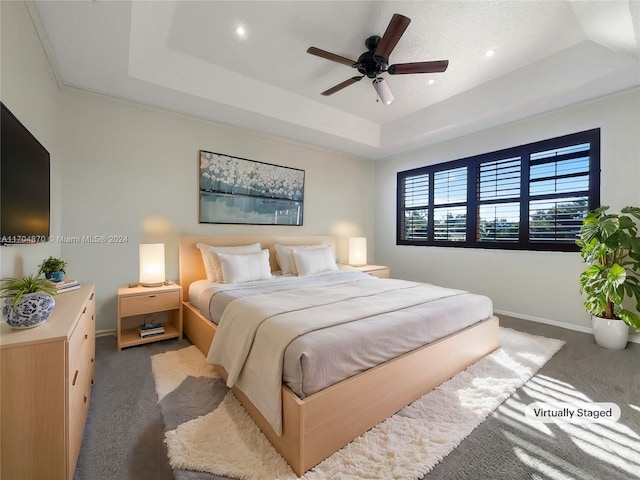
132, 171
534, 285
29, 89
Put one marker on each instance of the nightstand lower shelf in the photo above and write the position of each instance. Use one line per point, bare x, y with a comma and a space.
130, 337
138, 305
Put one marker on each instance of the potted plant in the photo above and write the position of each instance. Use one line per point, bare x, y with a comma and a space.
609, 243
53, 269
28, 300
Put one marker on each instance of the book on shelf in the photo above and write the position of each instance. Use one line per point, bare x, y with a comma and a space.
148, 332
151, 334
66, 285
150, 326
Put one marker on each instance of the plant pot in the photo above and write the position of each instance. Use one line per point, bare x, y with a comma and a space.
610, 333
54, 276
31, 310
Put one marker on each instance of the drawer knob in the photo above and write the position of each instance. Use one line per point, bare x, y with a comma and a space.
75, 377
86, 336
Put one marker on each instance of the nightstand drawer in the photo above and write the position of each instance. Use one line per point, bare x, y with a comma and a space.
381, 273
154, 302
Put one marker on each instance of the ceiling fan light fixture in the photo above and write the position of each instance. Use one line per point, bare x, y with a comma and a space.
383, 90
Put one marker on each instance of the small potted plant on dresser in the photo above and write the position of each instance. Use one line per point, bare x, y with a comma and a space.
609, 243
28, 301
53, 269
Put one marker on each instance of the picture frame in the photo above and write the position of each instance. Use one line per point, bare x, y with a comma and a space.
234, 190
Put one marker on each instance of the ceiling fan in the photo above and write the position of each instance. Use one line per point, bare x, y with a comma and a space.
375, 60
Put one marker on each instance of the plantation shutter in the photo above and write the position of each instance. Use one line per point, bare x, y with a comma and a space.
499, 200
558, 193
415, 197
450, 210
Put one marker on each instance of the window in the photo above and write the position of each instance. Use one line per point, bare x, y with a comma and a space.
531, 197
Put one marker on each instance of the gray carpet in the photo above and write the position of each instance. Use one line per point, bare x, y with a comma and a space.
124, 434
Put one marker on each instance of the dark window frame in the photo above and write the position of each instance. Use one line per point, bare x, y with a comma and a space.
525, 196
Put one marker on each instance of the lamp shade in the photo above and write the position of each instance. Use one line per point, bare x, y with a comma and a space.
357, 251
152, 264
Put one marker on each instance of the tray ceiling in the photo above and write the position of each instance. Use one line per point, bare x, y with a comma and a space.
185, 56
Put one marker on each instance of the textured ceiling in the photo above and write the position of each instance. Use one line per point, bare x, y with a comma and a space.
184, 56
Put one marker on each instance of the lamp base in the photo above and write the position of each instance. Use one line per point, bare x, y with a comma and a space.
152, 284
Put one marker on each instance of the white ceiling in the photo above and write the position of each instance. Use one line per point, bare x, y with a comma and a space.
184, 56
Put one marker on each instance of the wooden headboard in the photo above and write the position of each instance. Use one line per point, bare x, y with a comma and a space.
192, 267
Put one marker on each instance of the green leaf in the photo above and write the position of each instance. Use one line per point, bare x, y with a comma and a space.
626, 223
616, 274
608, 227
17, 287
635, 211
630, 318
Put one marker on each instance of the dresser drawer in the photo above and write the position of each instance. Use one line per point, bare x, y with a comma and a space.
154, 302
83, 334
80, 378
80, 382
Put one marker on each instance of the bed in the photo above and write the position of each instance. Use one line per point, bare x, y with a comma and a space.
318, 423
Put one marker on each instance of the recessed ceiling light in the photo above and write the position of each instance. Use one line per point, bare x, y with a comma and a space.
241, 31
431, 81
490, 53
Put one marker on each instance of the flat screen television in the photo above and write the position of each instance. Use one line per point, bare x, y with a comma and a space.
24, 184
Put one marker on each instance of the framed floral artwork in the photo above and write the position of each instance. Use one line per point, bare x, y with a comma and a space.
237, 190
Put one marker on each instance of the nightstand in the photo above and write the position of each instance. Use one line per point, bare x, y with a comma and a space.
373, 270
137, 304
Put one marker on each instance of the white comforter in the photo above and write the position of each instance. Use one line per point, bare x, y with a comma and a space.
254, 359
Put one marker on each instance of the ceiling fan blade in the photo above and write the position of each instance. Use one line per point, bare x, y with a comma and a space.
342, 85
395, 29
332, 56
418, 67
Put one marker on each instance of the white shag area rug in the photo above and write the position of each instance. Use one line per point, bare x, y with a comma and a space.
406, 446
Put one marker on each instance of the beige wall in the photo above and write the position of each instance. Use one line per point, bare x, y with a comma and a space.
29, 89
536, 285
132, 171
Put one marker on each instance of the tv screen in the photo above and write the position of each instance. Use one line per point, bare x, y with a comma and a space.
24, 184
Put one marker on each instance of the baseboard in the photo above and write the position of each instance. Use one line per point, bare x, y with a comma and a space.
635, 338
105, 333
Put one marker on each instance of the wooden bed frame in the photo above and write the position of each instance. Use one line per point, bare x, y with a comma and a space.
322, 423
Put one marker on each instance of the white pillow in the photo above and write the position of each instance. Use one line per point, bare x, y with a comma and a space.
212, 263
240, 268
284, 256
314, 260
